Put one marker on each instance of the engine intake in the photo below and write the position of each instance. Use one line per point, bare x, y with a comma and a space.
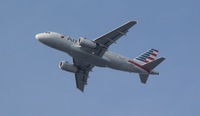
87, 43
64, 65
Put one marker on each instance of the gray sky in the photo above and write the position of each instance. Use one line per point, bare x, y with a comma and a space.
31, 84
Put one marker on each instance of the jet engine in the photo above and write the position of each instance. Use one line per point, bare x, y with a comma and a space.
87, 43
64, 65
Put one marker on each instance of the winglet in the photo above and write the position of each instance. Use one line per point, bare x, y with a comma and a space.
132, 22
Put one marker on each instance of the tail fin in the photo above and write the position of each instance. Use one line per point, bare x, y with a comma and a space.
147, 57
148, 61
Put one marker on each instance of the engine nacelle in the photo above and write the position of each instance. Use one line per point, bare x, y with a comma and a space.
68, 67
87, 43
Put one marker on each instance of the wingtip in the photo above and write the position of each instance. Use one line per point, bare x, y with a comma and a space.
134, 21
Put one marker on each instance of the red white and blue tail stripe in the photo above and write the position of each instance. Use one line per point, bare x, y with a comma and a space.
147, 56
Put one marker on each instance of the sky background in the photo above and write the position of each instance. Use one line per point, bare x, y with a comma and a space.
31, 84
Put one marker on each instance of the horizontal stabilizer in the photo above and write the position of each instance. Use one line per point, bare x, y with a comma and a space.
154, 63
143, 78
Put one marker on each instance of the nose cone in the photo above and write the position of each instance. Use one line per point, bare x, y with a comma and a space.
41, 37
44, 38
38, 37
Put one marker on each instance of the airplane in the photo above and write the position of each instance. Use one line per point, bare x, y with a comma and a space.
87, 54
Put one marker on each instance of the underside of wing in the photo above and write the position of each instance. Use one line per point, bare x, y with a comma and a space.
103, 42
81, 75
111, 37
81, 80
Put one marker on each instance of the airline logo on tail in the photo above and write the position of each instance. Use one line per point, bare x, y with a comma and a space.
148, 56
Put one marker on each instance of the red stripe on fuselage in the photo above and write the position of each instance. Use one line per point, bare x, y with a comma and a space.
138, 65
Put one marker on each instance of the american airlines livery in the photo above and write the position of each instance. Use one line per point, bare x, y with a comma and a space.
87, 54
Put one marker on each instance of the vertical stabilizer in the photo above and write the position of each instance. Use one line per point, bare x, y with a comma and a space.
147, 57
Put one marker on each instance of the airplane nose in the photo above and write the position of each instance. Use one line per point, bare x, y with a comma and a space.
42, 37
38, 37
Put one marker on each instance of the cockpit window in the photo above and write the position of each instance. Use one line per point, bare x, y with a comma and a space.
48, 32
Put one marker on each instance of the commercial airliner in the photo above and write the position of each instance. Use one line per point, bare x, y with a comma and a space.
87, 54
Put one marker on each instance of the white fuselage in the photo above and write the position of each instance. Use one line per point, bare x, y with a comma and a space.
72, 47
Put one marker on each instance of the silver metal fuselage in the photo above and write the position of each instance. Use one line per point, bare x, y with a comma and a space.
72, 47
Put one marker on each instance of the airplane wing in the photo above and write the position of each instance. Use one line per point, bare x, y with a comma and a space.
111, 37
103, 43
81, 75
